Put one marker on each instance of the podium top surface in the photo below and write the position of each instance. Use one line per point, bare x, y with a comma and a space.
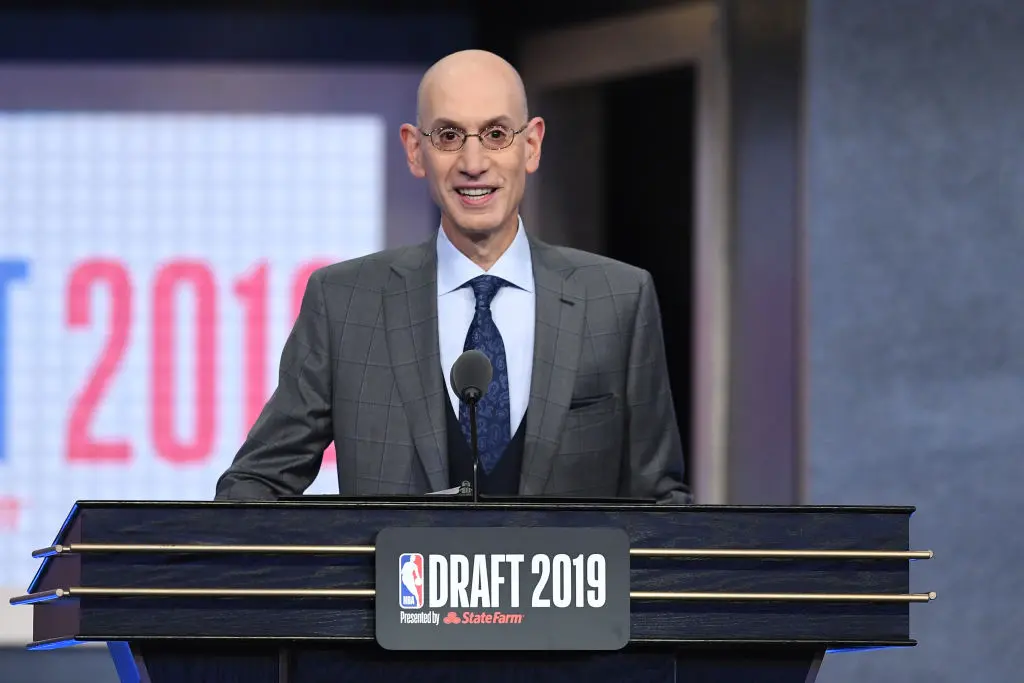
522, 503
438, 504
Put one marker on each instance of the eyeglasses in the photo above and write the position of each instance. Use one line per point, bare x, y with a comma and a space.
494, 138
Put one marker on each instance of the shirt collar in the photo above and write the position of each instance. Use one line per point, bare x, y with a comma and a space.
454, 269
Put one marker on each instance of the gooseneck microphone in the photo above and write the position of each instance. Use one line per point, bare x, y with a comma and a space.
470, 376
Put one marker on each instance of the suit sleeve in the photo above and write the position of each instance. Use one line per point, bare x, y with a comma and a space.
284, 449
655, 452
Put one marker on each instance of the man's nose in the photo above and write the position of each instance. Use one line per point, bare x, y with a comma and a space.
473, 160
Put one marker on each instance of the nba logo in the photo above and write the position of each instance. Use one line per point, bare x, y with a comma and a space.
410, 584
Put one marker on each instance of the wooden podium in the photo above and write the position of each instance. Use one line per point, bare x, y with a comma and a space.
284, 591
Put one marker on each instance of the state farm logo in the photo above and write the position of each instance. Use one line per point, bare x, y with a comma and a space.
432, 618
483, 618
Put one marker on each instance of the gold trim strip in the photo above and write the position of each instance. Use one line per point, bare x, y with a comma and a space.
678, 553
701, 553
75, 548
84, 592
787, 597
223, 592
76, 592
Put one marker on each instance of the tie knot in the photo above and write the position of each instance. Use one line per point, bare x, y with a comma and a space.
484, 289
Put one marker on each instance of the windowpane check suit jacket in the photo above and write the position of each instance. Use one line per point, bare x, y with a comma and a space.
362, 367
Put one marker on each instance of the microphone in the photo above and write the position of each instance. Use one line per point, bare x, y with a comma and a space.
470, 377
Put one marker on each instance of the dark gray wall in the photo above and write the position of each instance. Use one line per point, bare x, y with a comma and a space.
915, 229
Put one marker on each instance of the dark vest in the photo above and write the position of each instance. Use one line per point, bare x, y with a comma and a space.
503, 480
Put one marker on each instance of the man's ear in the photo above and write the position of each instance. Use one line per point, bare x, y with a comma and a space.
534, 139
412, 141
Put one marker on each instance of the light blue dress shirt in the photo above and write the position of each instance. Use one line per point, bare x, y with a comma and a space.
512, 309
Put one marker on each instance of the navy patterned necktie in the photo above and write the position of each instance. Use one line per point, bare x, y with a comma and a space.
493, 415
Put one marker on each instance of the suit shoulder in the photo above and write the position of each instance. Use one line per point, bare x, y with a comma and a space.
595, 270
371, 271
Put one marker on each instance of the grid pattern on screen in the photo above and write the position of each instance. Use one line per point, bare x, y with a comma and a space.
164, 255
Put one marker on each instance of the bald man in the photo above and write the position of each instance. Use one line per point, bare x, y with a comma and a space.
579, 404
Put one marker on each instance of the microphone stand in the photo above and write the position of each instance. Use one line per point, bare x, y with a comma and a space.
472, 396
473, 447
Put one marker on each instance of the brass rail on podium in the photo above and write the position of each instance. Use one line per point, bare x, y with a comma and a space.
114, 592
679, 553
668, 553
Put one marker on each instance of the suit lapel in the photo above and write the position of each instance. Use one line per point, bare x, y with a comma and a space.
410, 324
560, 309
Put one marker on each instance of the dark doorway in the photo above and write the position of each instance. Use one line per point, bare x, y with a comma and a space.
649, 177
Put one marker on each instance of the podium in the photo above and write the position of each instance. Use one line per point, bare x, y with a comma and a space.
284, 592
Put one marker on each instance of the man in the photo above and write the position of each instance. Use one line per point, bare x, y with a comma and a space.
580, 403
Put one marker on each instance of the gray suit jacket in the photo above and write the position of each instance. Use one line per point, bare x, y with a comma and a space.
362, 367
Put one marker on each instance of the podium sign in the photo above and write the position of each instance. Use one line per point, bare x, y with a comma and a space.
502, 588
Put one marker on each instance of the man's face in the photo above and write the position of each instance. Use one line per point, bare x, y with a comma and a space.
477, 186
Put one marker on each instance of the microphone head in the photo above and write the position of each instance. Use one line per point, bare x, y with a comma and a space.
471, 375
